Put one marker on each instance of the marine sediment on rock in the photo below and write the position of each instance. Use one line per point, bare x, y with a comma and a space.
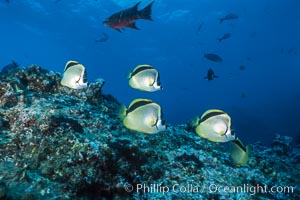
60, 143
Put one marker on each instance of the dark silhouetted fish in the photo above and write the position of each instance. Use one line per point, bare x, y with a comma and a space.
104, 37
229, 16
213, 57
242, 67
128, 17
211, 75
199, 28
9, 67
243, 95
224, 37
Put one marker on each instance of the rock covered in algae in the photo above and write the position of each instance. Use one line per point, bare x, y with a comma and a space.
59, 143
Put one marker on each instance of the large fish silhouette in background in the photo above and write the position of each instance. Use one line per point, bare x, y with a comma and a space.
127, 17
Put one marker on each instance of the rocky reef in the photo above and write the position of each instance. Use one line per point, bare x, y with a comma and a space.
60, 143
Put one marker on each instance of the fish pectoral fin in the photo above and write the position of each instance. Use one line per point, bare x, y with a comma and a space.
155, 123
151, 82
133, 26
224, 133
77, 81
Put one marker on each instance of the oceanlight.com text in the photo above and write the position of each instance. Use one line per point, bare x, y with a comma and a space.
251, 189
212, 188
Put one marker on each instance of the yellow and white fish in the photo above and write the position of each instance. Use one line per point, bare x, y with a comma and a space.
143, 115
214, 125
145, 78
239, 154
74, 76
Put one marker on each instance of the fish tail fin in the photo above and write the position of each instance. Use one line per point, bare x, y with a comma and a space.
129, 75
216, 76
15, 63
220, 39
194, 122
121, 111
145, 13
221, 20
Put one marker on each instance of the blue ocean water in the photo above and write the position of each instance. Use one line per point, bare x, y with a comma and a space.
262, 98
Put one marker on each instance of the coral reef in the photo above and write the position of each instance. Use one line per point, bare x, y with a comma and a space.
60, 143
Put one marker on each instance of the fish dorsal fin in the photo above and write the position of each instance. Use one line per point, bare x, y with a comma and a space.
135, 7
137, 103
70, 63
132, 25
210, 113
140, 68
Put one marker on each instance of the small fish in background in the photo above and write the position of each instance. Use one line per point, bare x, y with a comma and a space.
104, 37
143, 115
292, 51
211, 75
252, 34
239, 154
127, 18
224, 37
213, 57
199, 28
11, 66
74, 76
146, 78
243, 95
214, 125
242, 67
230, 16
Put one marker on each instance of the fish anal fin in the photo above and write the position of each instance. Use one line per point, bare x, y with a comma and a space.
133, 26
